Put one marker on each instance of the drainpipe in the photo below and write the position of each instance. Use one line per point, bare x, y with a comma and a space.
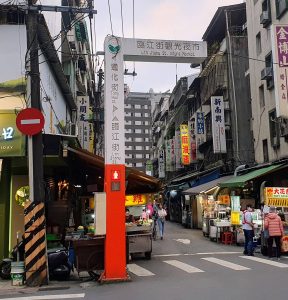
233, 84
239, 168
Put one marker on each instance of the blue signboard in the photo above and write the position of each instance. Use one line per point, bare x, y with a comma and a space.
200, 123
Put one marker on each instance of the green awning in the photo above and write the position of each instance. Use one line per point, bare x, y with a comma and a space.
239, 181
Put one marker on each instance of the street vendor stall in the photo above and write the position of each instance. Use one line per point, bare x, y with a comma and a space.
278, 197
139, 232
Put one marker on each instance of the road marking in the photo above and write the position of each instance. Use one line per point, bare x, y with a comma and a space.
183, 241
225, 263
192, 254
185, 267
30, 121
266, 261
48, 297
139, 271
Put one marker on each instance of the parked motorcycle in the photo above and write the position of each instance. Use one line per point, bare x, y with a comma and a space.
58, 263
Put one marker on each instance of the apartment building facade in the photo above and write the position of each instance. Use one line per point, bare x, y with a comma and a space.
269, 125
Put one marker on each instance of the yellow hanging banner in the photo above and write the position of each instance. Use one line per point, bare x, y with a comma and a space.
185, 144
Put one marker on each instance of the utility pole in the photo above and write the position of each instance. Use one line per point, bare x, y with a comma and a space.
35, 224
36, 265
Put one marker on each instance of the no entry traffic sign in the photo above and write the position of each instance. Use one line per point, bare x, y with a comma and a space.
30, 121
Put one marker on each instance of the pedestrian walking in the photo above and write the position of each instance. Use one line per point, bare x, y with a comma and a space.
248, 228
275, 229
161, 219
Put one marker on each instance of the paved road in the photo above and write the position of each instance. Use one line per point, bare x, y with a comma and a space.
185, 265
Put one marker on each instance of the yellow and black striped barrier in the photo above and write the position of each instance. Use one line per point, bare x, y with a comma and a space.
35, 244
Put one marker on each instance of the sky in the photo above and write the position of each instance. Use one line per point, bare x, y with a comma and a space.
155, 19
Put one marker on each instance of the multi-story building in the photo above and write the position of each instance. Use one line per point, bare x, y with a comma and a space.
137, 129
270, 127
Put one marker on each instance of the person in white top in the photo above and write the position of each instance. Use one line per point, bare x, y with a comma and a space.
248, 228
161, 219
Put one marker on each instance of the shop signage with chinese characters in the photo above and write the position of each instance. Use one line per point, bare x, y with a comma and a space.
178, 150
218, 124
132, 200
114, 102
168, 156
161, 163
192, 135
185, 144
12, 141
164, 50
200, 123
276, 196
83, 121
224, 199
279, 70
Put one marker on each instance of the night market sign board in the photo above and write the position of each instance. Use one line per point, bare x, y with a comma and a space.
134, 200
117, 50
12, 141
279, 70
276, 196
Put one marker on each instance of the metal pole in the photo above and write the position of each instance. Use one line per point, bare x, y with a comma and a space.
34, 214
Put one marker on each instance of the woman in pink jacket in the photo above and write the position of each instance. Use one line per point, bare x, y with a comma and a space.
275, 228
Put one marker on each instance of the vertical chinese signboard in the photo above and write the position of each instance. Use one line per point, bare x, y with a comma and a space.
168, 156
280, 69
192, 136
172, 150
83, 121
115, 259
200, 133
185, 144
177, 150
218, 124
161, 163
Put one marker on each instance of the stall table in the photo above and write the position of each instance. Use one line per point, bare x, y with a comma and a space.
139, 239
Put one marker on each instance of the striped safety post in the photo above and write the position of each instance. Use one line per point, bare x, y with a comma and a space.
35, 244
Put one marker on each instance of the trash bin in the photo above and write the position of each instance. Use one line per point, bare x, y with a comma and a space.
17, 273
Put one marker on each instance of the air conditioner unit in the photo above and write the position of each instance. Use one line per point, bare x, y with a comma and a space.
275, 141
283, 126
226, 105
266, 73
72, 129
264, 18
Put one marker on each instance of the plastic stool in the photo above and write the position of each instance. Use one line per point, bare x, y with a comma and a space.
228, 238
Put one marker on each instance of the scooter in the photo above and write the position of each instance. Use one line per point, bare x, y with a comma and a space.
58, 263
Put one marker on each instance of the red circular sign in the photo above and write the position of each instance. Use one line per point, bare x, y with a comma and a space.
30, 121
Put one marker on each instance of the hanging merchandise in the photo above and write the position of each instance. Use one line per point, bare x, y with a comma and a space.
22, 195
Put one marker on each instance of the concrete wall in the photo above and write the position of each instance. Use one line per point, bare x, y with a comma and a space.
260, 119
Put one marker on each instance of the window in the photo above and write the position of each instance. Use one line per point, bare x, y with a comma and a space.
138, 123
265, 17
258, 44
138, 155
269, 71
261, 96
138, 115
274, 129
139, 165
265, 151
281, 7
138, 130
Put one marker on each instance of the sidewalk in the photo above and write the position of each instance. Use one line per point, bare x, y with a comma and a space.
75, 281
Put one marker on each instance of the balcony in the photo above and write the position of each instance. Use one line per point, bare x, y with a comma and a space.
281, 8
265, 18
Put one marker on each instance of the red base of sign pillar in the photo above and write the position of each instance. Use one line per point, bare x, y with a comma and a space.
115, 244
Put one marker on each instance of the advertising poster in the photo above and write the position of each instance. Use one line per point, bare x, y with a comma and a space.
185, 144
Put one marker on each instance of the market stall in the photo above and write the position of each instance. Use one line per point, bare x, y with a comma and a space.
139, 232
278, 197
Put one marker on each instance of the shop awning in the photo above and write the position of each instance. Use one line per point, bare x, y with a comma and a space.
240, 181
206, 186
137, 181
